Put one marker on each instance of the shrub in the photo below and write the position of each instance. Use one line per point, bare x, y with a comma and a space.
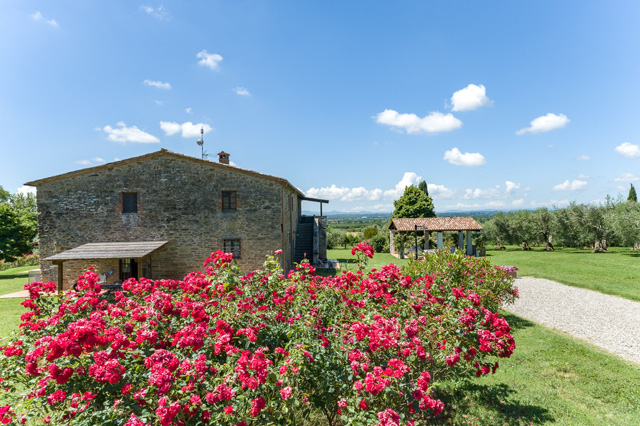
380, 244
261, 348
26, 260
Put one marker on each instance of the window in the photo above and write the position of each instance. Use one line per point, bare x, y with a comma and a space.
232, 246
129, 202
229, 200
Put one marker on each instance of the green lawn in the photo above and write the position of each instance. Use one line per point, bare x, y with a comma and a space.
616, 272
551, 378
14, 279
348, 261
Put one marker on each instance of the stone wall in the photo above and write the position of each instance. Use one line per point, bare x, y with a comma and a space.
179, 201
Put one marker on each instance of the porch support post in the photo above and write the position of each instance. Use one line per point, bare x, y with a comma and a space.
469, 244
60, 278
440, 240
426, 240
392, 245
460, 240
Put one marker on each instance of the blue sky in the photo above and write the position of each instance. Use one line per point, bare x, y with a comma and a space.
497, 105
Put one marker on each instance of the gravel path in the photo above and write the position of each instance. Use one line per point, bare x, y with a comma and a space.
610, 322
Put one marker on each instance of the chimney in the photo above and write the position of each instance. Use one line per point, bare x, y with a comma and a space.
223, 157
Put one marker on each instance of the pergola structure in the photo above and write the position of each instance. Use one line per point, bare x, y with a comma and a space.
435, 224
139, 251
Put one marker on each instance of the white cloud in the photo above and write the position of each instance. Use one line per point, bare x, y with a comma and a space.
495, 192
627, 177
158, 84
551, 203
545, 123
159, 103
188, 129
188, 110
158, 12
433, 123
517, 203
98, 160
468, 159
511, 186
583, 158
210, 60
487, 205
345, 194
628, 150
126, 134
576, 185
583, 176
470, 98
24, 189
440, 191
408, 179
38, 17
242, 91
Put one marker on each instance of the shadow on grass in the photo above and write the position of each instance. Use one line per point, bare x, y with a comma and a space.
489, 404
631, 254
516, 322
13, 276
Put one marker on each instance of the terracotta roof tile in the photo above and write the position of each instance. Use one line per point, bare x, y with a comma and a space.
436, 224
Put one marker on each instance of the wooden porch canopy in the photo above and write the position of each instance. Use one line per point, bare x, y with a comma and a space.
120, 250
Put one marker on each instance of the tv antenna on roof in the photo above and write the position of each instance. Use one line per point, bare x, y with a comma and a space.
200, 143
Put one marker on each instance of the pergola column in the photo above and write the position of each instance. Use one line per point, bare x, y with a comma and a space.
460, 240
440, 240
392, 244
60, 277
426, 240
469, 245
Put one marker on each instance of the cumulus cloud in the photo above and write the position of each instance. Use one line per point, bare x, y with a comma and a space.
408, 179
470, 98
517, 203
495, 192
627, 177
241, 91
575, 185
583, 158
433, 123
551, 203
468, 159
157, 12
188, 110
188, 129
38, 17
24, 189
628, 150
125, 134
158, 84
209, 60
440, 191
545, 123
345, 194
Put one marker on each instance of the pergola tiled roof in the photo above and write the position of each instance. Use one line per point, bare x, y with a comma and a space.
436, 224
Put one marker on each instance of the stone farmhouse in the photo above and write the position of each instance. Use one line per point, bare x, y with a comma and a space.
160, 215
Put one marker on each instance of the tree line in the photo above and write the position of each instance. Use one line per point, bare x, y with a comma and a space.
18, 225
613, 223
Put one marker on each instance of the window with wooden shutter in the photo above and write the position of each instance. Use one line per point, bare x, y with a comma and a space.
229, 200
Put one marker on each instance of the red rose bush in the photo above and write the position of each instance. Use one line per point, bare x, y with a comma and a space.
223, 348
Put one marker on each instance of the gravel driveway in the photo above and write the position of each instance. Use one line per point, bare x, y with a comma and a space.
610, 322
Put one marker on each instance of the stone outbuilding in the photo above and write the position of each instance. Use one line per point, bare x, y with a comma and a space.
160, 215
438, 225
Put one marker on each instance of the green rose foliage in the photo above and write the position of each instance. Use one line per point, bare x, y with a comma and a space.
264, 348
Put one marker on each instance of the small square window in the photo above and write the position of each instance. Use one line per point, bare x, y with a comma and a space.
129, 202
232, 246
229, 200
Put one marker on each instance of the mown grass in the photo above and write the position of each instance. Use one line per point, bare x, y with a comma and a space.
616, 272
348, 261
14, 279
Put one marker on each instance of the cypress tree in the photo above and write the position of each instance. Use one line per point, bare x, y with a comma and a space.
632, 195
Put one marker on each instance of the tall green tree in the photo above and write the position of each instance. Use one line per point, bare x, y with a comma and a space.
632, 194
422, 186
413, 203
18, 224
